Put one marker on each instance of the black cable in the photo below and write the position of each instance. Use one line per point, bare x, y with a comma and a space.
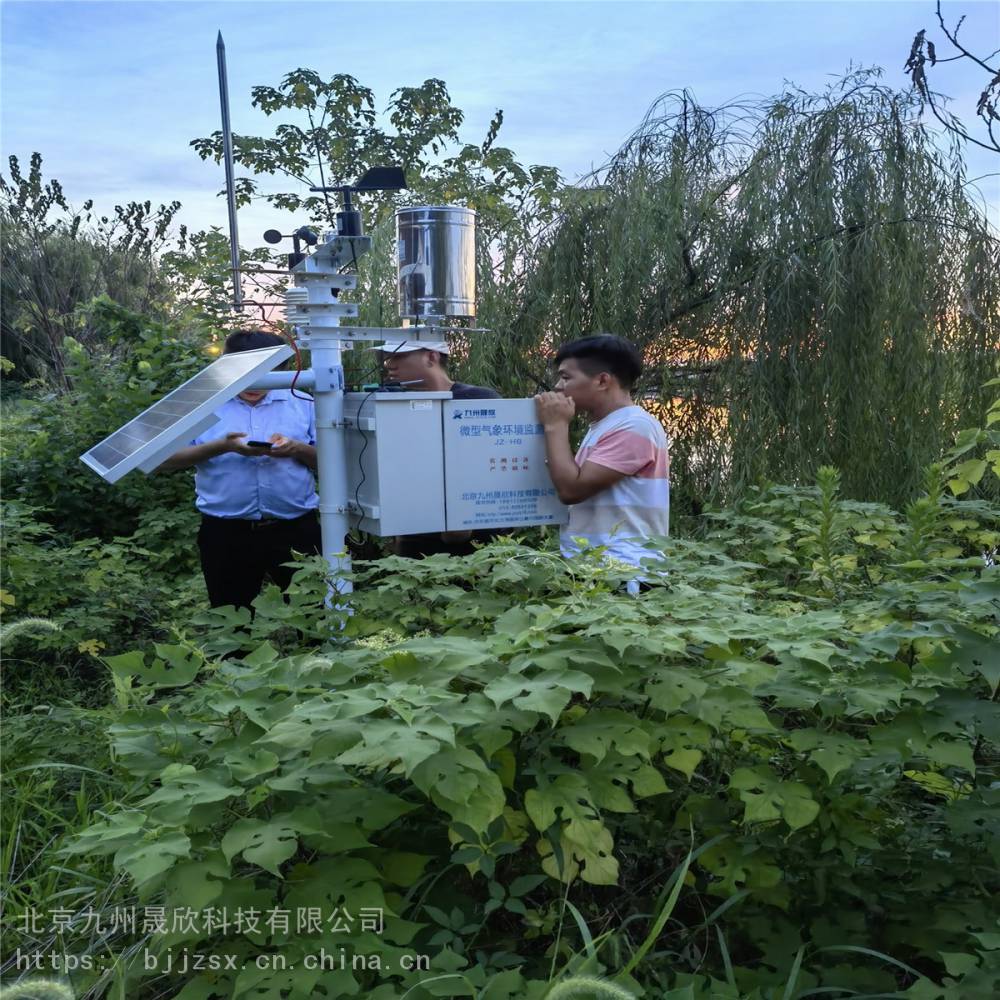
298, 369
364, 447
361, 455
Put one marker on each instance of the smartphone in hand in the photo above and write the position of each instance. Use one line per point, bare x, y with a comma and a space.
260, 444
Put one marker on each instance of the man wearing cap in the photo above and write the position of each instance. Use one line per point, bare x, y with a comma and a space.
420, 366
258, 503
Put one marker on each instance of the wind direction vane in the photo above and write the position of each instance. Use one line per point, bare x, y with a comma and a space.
227, 156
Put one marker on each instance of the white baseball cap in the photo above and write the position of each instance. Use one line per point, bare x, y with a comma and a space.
406, 346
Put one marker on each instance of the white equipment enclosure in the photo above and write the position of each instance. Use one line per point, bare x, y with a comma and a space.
422, 462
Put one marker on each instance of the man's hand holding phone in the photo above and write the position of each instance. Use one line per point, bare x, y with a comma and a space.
280, 446
234, 441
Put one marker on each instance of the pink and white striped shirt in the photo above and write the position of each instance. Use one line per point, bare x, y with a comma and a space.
637, 507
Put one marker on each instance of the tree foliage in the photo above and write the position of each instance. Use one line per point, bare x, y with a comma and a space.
57, 259
772, 775
132, 361
923, 51
807, 275
340, 137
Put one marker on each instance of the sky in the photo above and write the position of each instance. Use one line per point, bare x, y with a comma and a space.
112, 93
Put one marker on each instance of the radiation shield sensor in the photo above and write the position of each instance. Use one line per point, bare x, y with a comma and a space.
146, 441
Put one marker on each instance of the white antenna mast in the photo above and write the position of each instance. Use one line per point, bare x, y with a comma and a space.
227, 156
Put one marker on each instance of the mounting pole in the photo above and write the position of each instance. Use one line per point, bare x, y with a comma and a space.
227, 156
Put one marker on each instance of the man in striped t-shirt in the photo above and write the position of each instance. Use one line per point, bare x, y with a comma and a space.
618, 484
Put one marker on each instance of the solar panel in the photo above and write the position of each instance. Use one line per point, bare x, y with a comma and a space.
153, 436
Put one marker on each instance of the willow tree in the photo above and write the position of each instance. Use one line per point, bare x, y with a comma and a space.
810, 277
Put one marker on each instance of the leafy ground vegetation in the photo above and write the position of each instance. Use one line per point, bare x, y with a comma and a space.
772, 775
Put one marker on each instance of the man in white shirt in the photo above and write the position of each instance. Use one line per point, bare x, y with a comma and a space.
258, 502
618, 483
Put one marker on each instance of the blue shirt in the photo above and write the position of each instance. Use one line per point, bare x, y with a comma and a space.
232, 485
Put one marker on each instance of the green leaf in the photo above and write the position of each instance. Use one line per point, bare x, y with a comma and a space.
197, 883
461, 783
683, 742
625, 636
878, 694
440, 658
610, 779
153, 855
670, 690
122, 828
183, 789
548, 693
177, 667
247, 766
816, 650
972, 653
267, 843
938, 784
602, 730
524, 884
768, 798
586, 842
385, 741
740, 865
832, 752
727, 708
968, 473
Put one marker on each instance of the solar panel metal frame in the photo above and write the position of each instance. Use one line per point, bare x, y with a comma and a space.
177, 418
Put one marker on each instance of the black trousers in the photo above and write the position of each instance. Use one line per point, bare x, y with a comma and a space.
237, 555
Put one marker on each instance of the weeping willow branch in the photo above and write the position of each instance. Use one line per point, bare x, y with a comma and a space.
807, 272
